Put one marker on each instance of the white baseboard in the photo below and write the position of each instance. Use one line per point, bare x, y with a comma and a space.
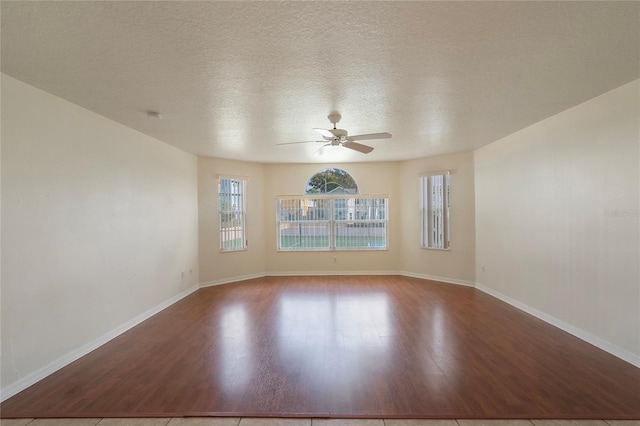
330, 273
231, 280
440, 279
32, 378
606, 346
327, 273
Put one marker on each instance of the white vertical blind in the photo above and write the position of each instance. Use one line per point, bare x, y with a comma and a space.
434, 210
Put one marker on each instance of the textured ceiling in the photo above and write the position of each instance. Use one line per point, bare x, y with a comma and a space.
233, 79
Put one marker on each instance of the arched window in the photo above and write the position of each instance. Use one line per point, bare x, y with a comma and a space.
331, 181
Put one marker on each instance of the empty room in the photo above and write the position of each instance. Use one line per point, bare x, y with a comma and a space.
355, 213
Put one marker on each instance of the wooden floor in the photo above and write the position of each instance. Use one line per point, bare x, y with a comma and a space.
366, 347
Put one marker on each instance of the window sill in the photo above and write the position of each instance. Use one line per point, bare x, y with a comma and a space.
334, 250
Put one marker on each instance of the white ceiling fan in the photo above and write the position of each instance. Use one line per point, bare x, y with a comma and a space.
340, 137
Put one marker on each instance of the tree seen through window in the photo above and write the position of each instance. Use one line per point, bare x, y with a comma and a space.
331, 181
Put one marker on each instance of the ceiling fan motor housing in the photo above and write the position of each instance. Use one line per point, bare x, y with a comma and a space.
339, 133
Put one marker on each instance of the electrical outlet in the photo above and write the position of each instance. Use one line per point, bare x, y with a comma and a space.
182, 274
335, 259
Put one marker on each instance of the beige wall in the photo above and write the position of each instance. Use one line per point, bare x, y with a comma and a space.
216, 266
373, 179
544, 235
397, 180
456, 264
98, 223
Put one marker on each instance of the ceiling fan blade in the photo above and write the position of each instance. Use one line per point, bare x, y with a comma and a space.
291, 143
358, 147
370, 136
319, 152
324, 132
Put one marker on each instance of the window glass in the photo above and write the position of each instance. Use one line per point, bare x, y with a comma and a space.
232, 217
331, 181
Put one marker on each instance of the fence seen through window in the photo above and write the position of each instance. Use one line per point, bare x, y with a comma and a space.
341, 223
232, 208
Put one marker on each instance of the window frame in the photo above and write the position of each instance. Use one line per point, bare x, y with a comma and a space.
333, 224
435, 210
238, 199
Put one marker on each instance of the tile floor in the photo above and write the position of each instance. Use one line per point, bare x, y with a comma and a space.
247, 421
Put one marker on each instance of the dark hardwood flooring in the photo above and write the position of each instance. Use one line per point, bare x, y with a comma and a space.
384, 347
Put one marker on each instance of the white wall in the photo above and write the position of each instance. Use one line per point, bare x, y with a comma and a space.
98, 221
456, 264
216, 266
372, 179
544, 235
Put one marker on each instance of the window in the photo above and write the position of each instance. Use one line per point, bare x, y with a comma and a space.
332, 223
304, 224
332, 216
360, 223
232, 207
434, 210
331, 182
